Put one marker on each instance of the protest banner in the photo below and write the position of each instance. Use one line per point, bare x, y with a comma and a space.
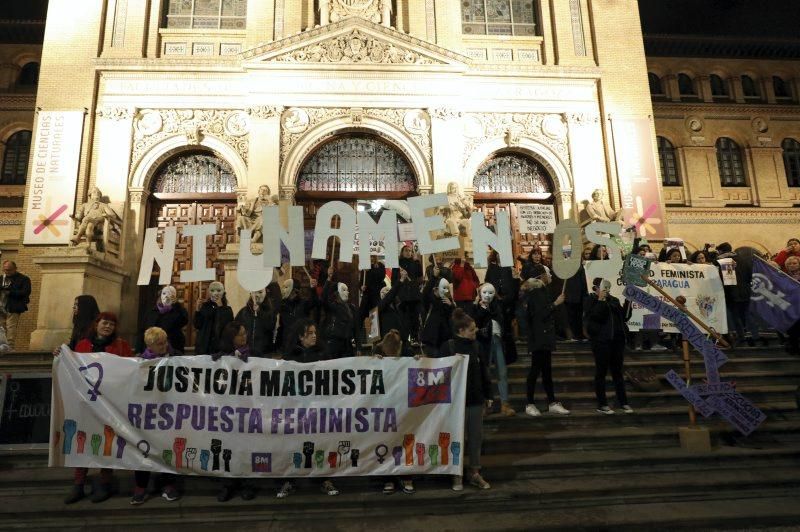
261, 418
535, 218
774, 296
700, 284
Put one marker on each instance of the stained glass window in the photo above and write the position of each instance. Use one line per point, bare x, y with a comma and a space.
15, 158
200, 173
358, 163
511, 173
206, 14
498, 17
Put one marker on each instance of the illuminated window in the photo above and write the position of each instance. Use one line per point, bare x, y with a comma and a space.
729, 162
206, 14
498, 17
15, 158
669, 167
511, 173
791, 161
198, 172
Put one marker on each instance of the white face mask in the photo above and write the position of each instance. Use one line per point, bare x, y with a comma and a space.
384, 291
286, 289
344, 292
216, 290
487, 293
444, 288
168, 295
259, 297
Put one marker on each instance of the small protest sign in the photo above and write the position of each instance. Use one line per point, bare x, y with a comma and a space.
535, 218
728, 269
634, 268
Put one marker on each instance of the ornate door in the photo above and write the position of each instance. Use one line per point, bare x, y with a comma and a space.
522, 243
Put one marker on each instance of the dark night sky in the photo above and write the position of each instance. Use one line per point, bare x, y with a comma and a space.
778, 19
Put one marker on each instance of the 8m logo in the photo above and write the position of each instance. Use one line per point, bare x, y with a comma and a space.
428, 386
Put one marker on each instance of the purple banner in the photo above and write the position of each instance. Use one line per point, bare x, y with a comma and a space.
775, 297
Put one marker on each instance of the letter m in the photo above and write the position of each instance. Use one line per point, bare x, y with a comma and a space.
435, 378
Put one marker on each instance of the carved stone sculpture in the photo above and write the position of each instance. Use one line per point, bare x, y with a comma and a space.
249, 215
96, 221
458, 212
598, 210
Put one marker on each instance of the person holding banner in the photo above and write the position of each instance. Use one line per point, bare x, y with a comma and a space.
409, 295
341, 319
156, 346
293, 307
436, 325
605, 323
391, 315
258, 317
479, 393
84, 312
212, 315
168, 314
102, 338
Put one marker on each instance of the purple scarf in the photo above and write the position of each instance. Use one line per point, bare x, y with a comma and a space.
163, 309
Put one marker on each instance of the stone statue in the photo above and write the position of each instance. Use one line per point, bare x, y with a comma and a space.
93, 215
458, 212
598, 210
249, 214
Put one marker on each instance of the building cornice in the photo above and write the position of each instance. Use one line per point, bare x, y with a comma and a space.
664, 109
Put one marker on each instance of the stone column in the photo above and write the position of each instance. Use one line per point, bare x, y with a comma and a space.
588, 157
447, 140
324, 12
113, 145
265, 141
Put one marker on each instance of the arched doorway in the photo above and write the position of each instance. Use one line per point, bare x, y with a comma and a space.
506, 180
360, 169
192, 187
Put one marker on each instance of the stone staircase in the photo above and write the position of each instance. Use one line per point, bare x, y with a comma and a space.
584, 471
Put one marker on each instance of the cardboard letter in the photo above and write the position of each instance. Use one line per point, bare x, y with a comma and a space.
423, 225
483, 237
323, 231
164, 256
564, 268
199, 272
252, 273
385, 229
275, 234
607, 269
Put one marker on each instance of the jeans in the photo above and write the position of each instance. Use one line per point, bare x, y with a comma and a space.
498, 357
609, 354
10, 323
541, 362
473, 431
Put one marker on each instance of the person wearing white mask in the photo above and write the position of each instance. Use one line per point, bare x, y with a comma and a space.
341, 318
258, 318
487, 312
391, 314
211, 316
436, 323
296, 304
168, 314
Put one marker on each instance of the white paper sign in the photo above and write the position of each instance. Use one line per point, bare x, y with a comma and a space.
262, 418
534, 218
728, 269
53, 177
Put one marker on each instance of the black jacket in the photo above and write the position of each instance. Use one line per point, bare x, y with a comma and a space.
409, 291
479, 386
292, 309
209, 322
389, 315
436, 320
483, 321
576, 290
541, 319
260, 328
19, 293
305, 355
373, 283
341, 319
172, 322
605, 320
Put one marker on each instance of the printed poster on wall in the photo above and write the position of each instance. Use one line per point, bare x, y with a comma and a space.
534, 218
638, 177
53, 177
262, 418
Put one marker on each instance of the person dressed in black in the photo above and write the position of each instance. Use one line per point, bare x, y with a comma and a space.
167, 314
391, 315
212, 315
507, 283
436, 325
296, 304
15, 293
84, 312
410, 295
258, 317
575, 293
373, 281
605, 323
341, 318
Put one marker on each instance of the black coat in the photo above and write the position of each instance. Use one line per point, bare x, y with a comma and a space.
390, 316
576, 290
19, 293
260, 328
341, 319
293, 309
373, 284
541, 319
172, 322
605, 320
436, 321
479, 385
409, 291
305, 355
209, 322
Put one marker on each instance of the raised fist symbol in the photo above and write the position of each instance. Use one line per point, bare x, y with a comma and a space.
70, 426
455, 448
81, 441
204, 457
226, 456
120, 446
216, 448
109, 434
354, 454
308, 452
433, 454
319, 459
297, 460
444, 444
191, 454
408, 446
421, 453
397, 452
96, 441
179, 445
166, 454
332, 458
343, 449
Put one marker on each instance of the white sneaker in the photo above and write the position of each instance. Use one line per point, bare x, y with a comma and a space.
532, 411
627, 409
605, 410
458, 483
285, 490
557, 408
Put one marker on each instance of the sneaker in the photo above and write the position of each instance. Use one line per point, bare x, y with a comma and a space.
506, 410
102, 492
388, 488
248, 493
329, 489
225, 494
532, 411
477, 481
408, 487
170, 494
75, 494
138, 498
458, 483
605, 410
627, 409
285, 490
557, 408
658, 347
